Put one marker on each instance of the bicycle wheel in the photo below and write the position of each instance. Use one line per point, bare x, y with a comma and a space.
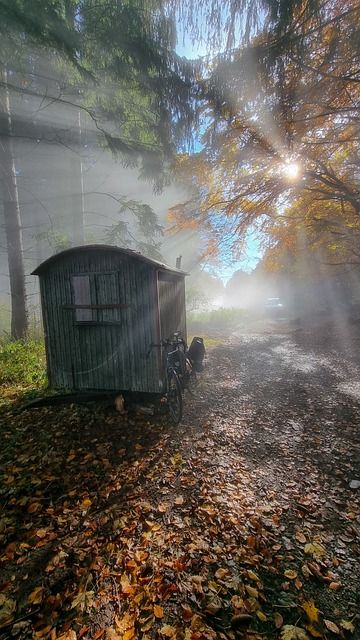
191, 379
174, 396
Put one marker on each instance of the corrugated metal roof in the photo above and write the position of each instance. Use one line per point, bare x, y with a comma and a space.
104, 247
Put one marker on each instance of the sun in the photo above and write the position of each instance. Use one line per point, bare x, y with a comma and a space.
291, 170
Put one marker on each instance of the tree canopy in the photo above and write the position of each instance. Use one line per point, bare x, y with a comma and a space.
279, 147
123, 72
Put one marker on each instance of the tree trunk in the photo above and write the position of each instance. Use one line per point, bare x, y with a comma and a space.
77, 188
10, 196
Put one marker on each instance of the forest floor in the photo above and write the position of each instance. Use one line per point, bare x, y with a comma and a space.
242, 522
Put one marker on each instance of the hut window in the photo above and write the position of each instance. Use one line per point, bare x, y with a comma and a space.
82, 296
96, 299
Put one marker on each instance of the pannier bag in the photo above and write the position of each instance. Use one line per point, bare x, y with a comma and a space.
196, 354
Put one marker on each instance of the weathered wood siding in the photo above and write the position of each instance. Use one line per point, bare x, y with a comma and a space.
105, 346
171, 304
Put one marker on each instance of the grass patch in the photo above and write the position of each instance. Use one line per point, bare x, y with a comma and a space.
22, 361
209, 341
216, 319
22, 369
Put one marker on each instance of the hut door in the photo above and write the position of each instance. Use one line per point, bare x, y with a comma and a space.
171, 305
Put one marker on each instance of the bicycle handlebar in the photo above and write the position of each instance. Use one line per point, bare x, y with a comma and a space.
166, 343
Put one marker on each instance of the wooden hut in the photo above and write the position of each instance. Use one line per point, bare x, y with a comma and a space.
102, 308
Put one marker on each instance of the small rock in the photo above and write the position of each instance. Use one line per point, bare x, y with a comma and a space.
287, 543
354, 484
145, 411
119, 404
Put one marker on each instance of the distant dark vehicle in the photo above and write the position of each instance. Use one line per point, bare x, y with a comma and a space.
274, 307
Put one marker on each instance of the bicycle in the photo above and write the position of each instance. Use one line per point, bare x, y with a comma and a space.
179, 376
184, 365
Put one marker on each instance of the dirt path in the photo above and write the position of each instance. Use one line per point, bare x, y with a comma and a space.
241, 523
286, 416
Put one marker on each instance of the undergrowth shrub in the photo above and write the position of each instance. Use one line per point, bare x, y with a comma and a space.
22, 362
223, 318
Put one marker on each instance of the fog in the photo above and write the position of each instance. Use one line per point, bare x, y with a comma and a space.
72, 190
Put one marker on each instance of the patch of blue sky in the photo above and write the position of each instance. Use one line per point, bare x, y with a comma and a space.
236, 251
219, 28
231, 257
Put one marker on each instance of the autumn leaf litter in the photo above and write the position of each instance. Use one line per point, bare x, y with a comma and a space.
241, 523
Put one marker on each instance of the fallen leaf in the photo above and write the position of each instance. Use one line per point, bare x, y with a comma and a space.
316, 550
290, 632
83, 600
313, 623
347, 625
146, 625
252, 575
221, 574
68, 635
168, 631
125, 623
300, 537
126, 587
33, 507
186, 613
290, 574
237, 602
335, 586
43, 632
177, 460
111, 634
7, 608
315, 570
253, 593
213, 605
35, 596
332, 626
158, 611
261, 615
278, 620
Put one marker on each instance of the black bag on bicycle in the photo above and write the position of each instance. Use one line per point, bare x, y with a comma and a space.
196, 354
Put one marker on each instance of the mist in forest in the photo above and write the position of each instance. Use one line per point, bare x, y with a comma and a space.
73, 191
